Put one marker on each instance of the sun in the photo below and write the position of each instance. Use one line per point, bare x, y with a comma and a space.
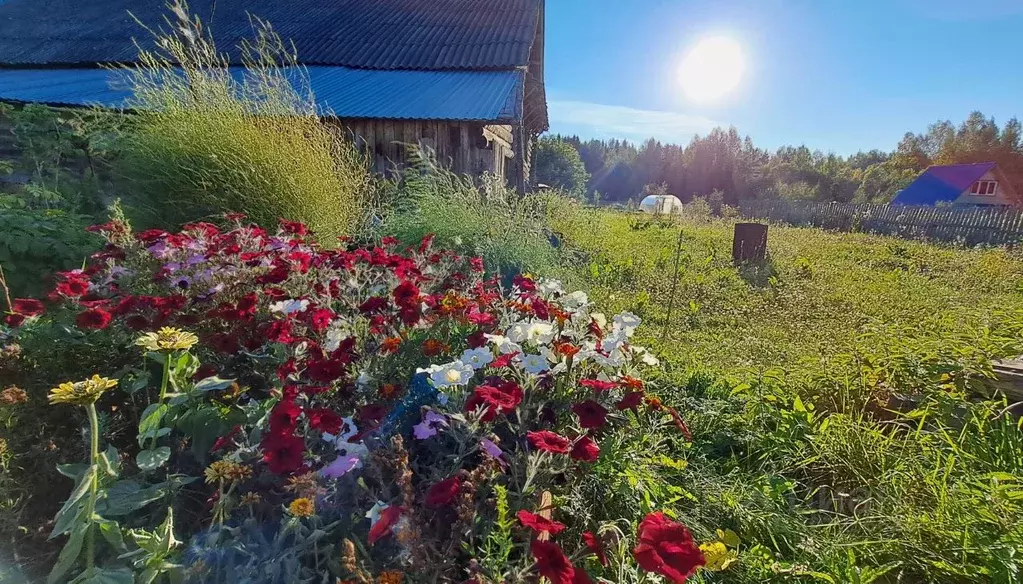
712, 69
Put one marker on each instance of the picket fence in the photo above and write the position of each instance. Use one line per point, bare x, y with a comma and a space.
965, 225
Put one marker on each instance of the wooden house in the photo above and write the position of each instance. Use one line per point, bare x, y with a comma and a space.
972, 185
463, 77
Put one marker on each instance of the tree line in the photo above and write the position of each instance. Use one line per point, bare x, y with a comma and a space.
730, 166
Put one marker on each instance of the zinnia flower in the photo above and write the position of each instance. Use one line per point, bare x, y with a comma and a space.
13, 395
548, 441
167, 339
81, 392
443, 493
539, 523
667, 548
94, 318
585, 450
302, 507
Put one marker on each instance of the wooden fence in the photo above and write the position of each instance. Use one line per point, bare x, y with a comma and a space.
966, 225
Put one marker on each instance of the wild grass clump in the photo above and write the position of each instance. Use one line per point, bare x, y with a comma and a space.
208, 139
487, 219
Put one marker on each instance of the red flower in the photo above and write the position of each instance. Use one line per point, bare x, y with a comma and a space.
283, 453
284, 417
631, 383
598, 385
539, 523
382, 528
320, 318
480, 318
476, 264
524, 283
591, 414
226, 439
28, 306
373, 304
552, 563
327, 371
427, 241
390, 345
324, 420
406, 294
501, 399
433, 347
14, 320
549, 442
595, 546
94, 318
137, 322
631, 400
585, 450
680, 424
443, 493
667, 548
280, 331
73, 287
503, 361
293, 227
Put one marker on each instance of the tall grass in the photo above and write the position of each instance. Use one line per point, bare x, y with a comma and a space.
207, 139
483, 218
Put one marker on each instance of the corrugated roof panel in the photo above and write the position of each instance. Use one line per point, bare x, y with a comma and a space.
942, 183
484, 96
372, 34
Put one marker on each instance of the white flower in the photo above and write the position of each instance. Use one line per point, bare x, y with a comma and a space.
614, 359
600, 319
477, 358
577, 299
374, 513
614, 341
536, 332
504, 344
364, 380
335, 334
290, 306
449, 374
627, 322
646, 357
547, 287
533, 364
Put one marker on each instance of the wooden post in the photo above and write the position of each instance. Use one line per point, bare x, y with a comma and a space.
749, 243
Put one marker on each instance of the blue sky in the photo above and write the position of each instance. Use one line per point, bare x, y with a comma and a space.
836, 75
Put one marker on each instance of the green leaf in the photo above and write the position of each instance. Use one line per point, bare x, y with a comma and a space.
64, 517
69, 554
112, 533
72, 471
110, 462
106, 576
150, 424
213, 384
152, 459
127, 496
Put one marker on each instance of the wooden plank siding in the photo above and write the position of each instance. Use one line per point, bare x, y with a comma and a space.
464, 147
965, 225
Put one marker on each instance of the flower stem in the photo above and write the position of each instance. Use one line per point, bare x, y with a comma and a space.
90, 509
166, 376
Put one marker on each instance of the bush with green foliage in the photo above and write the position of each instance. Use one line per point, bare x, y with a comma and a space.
557, 163
204, 141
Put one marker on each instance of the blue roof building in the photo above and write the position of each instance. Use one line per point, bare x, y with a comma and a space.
463, 77
980, 184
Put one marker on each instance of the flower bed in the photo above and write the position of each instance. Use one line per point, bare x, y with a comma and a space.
368, 414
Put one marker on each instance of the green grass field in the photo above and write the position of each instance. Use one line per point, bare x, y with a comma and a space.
834, 392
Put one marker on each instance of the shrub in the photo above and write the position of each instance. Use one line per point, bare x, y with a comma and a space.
557, 163
205, 140
390, 406
36, 243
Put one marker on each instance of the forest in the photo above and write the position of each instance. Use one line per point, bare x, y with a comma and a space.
726, 165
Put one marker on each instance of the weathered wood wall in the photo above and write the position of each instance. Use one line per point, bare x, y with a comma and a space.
968, 225
464, 147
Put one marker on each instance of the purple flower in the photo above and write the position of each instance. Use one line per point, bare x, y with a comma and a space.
432, 422
195, 259
494, 450
182, 282
341, 466
159, 250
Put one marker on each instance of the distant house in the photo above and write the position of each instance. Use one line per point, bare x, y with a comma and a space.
464, 77
981, 184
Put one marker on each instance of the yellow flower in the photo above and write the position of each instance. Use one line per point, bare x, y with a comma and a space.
302, 507
390, 577
250, 499
225, 470
167, 339
717, 555
81, 392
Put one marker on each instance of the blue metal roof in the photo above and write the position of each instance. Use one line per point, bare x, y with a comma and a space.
483, 96
942, 184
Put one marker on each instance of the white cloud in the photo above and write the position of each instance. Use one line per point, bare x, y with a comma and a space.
615, 121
